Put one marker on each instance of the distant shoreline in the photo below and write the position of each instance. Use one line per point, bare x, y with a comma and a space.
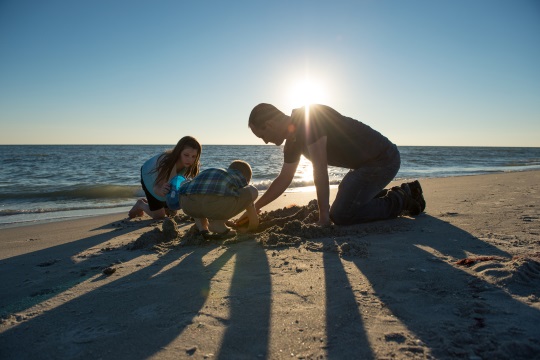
296, 191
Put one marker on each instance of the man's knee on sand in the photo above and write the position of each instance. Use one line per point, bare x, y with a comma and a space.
340, 210
340, 215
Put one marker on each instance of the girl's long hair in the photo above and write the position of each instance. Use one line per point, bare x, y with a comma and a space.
167, 160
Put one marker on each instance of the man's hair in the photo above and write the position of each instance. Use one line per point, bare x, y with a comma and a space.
243, 167
261, 114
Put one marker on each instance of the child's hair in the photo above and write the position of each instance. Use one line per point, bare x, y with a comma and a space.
167, 160
243, 167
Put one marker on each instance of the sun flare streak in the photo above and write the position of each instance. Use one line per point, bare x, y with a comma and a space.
306, 92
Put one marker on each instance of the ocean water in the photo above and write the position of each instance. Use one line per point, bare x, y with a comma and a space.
45, 182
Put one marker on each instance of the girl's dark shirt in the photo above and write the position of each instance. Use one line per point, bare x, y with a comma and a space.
350, 143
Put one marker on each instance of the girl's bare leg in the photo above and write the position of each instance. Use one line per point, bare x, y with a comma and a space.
141, 207
136, 210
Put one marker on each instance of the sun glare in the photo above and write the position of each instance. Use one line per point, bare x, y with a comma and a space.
307, 91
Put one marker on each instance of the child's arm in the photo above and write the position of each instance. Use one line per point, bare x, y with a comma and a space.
164, 187
252, 217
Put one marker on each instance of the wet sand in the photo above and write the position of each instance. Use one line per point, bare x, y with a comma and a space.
459, 281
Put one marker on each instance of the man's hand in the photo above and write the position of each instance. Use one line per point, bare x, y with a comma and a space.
324, 220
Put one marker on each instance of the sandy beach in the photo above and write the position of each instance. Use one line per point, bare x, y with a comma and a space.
461, 281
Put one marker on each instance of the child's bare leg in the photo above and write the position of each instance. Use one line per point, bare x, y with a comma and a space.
141, 204
137, 210
156, 214
201, 223
217, 226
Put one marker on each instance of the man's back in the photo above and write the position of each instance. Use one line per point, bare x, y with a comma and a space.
350, 143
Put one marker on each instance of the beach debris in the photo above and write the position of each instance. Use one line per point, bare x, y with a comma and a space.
48, 262
109, 270
191, 350
449, 213
395, 337
528, 218
473, 260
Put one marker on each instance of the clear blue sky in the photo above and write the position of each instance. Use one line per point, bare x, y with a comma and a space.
422, 72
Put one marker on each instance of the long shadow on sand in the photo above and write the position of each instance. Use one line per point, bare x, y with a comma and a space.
461, 315
51, 270
164, 299
345, 328
247, 333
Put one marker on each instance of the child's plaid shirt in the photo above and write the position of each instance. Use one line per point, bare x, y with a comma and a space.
215, 181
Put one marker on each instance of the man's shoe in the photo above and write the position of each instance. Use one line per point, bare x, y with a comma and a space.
410, 205
416, 192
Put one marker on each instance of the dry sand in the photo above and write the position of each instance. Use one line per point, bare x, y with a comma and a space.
461, 281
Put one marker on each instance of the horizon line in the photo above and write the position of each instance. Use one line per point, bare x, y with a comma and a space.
89, 144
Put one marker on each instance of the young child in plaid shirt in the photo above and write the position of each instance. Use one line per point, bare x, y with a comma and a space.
216, 195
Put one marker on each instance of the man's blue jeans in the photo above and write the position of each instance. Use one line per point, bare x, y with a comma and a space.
357, 201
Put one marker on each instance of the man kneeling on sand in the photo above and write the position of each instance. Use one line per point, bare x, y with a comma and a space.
216, 195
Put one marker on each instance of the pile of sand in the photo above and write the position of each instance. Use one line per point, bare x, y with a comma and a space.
291, 226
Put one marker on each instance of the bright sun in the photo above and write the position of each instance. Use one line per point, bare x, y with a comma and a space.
307, 91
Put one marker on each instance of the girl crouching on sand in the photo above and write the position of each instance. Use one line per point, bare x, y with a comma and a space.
159, 170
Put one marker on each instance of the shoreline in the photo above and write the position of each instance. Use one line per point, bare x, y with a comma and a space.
460, 281
84, 213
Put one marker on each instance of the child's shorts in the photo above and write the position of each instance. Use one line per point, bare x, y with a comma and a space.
153, 203
216, 207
